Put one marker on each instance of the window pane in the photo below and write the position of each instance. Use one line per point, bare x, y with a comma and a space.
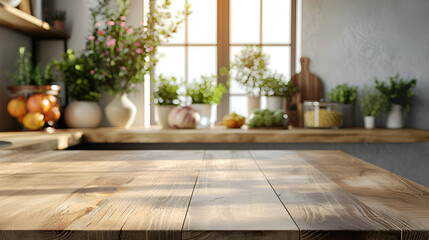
202, 22
202, 61
171, 62
238, 104
179, 36
279, 59
276, 16
245, 20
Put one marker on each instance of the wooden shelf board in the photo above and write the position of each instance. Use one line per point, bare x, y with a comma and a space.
20, 21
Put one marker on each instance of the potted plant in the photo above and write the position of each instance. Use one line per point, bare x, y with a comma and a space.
126, 54
58, 20
249, 69
371, 104
166, 97
276, 89
34, 103
346, 95
205, 95
83, 85
398, 96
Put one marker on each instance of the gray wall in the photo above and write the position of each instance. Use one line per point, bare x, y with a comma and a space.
10, 41
353, 41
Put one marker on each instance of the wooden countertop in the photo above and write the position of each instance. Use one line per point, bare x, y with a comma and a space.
206, 195
223, 135
61, 139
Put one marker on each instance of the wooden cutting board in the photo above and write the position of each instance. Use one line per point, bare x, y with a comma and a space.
310, 88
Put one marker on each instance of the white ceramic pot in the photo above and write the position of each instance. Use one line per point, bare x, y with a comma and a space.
121, 111
394, 117
253, 104
275, 103
207, 118
369, 122
162, 114
83, 114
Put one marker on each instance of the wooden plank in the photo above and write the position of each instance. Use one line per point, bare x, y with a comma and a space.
405, 202
223, 135
232, 199
320, 208
96, 194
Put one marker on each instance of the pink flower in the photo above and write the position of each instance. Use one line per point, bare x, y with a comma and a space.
141, 23
107, 64
139, 51
91, 38
123, 18
97, 42
150, 49
122, 24
111, 42
123, 68
137, 44
118, 49
101, 32
92, 72
103, 74
97, 24
129, 30
109, 37
110, 23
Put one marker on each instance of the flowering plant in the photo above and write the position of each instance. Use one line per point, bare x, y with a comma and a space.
124, 54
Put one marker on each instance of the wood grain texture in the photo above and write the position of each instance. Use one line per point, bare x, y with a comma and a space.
404, 202
233, 196
320, 208
223, 135
23, 22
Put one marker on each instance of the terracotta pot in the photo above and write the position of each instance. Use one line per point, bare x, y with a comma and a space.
59, 25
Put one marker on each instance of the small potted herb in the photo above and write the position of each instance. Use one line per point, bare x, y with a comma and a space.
83, 85
165, 97
398, 95
346, 95
371, 104
249, 69
205, 94
58, 20
276, 90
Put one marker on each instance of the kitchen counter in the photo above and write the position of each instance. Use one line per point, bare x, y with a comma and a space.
206, 194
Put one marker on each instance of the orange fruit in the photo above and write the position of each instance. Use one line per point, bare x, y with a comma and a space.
33, 121
230, 123
38, 103
53, 114
20, 119
52, 99
17, 107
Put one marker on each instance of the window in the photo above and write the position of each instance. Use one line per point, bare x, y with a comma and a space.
218, 29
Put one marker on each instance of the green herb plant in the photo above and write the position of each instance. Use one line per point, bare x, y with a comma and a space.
344, 94
82, 82
166, 91
59, 15
275, 85
27, 74
371, 102
249, 69
399, 91
206, 91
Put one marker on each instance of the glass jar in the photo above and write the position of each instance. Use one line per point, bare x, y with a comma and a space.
35, 107
322, 115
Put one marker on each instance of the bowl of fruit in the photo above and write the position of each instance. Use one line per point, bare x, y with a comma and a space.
268, 119
233, 120
34, 107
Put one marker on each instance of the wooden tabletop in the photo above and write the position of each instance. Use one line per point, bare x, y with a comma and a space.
224, 135
205, 195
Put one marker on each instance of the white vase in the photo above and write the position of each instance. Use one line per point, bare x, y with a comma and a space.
275, 103
83, 114
369, 122
253, 104
121, 111
394, 117
162, 114
207, 118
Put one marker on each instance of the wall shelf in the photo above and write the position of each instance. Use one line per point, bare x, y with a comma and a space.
27, 24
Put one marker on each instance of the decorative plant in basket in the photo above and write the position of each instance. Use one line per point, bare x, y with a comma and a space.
34, 103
